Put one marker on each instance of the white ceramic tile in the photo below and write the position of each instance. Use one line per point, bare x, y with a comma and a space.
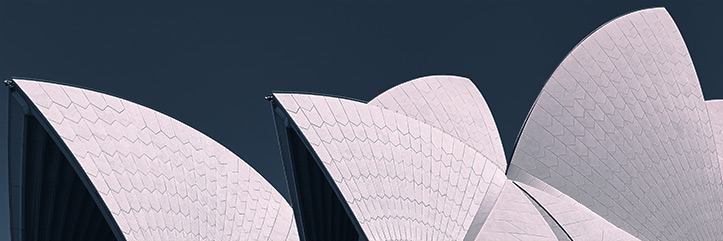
111, 137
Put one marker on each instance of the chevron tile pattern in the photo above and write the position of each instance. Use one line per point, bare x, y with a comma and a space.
621, 127
452, 104
620, 145
406, 179
514, 217
402, 178
715, 111
161, 179
579, 222
557, 230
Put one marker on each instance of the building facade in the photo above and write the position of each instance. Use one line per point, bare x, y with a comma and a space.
619, 145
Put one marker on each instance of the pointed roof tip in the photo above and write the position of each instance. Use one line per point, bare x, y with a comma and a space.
618, 43
20, 81
176, 137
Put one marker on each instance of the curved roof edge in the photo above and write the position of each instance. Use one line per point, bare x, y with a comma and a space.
417, 79
127, 150
28, 79
370, 134
515, 209
577, 221
534, 103
631, 41
715, 111
451, 103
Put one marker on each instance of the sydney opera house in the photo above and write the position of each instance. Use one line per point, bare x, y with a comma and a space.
619, 145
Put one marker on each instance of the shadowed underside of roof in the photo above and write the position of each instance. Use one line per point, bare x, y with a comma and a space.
160, 179
403, 179
620, 145
48, 199
422, 160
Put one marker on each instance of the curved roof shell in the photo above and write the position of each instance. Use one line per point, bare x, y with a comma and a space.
515, 217
405, 174
452, 104
621, 127
577, 221
715, 110
620, 145
403, 179
159, 178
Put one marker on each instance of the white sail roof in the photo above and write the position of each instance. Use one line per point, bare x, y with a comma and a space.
161, 179
620, 145
421, 161
454, 105
515, 217
621, 127
715, 110
577, 221
402, 178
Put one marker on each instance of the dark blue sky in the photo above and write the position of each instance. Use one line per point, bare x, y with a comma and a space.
210, 65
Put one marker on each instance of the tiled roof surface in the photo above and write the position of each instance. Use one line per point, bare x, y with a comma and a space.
621, 127
161, 179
